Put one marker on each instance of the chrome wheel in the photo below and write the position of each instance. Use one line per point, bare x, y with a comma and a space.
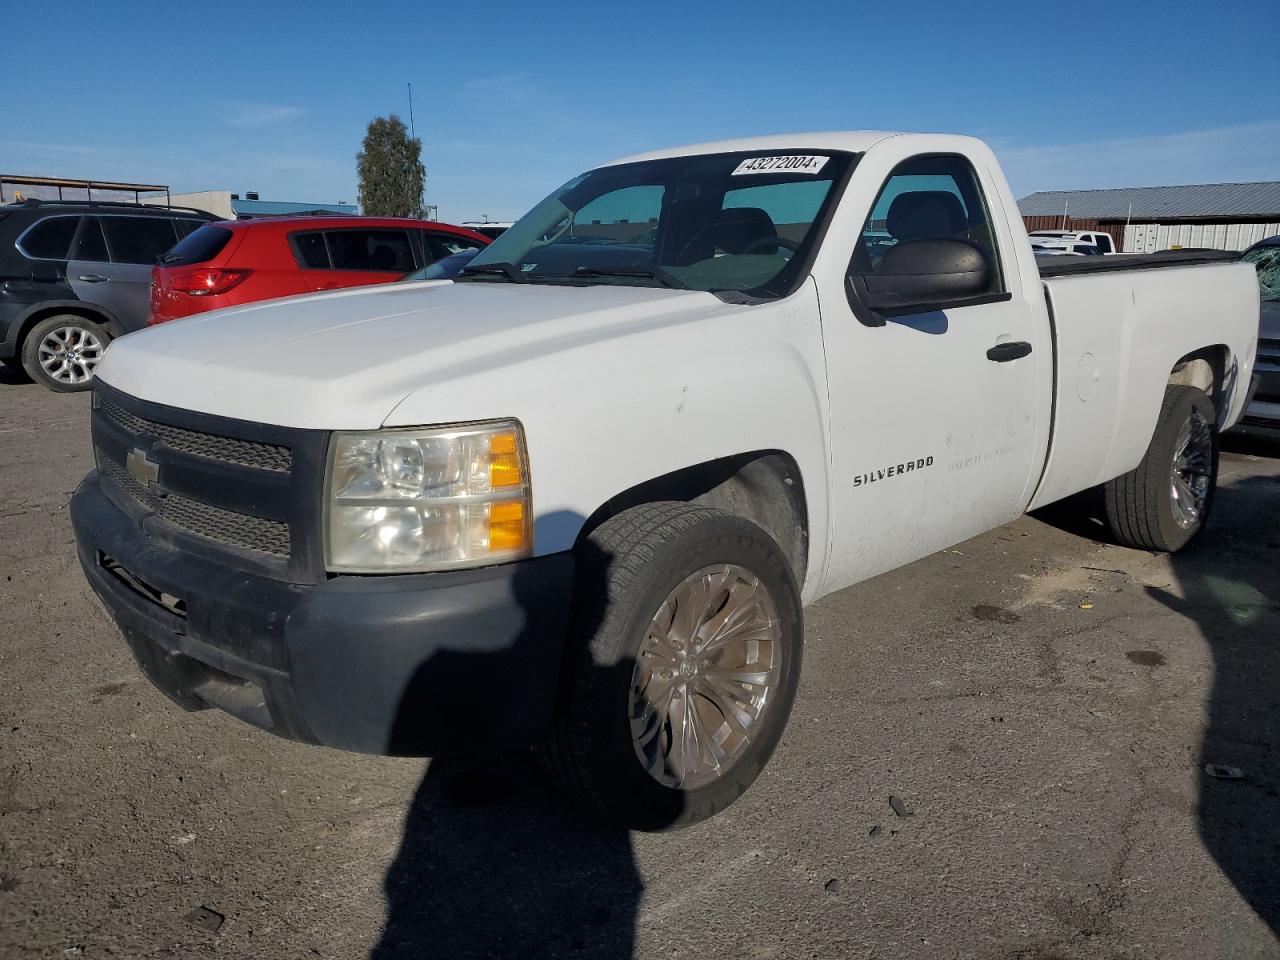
69, 354
706, 673
1191, 469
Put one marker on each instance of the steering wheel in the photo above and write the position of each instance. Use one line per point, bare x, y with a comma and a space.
775, 242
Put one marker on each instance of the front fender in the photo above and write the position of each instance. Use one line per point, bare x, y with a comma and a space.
603, 416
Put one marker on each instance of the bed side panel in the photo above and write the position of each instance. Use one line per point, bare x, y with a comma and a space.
1119, 335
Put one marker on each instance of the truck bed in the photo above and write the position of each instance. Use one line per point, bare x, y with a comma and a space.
1068, 266
1119, 331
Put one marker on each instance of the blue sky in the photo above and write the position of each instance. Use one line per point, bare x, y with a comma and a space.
510, 100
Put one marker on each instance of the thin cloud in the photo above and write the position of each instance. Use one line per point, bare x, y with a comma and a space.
49, 150
277, 173
259, 114
506, 91
1240, 153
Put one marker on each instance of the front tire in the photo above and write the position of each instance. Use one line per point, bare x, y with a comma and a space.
1165, 500
681, 668
63, 351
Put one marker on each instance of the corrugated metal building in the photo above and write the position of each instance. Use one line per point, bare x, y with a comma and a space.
251, 207
1223, 216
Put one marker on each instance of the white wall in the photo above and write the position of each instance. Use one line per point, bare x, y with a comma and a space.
1151, 237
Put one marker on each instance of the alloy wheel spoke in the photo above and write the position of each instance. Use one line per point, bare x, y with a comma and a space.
709, 753
1184, 439
726, 701
756, 677
677, 755
1186, 498
738, 605
646, 727
692, 751
691, 602
757, 628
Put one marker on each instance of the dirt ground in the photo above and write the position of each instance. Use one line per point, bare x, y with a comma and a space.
1041, 704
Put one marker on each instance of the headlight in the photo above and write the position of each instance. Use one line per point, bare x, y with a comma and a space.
428, 499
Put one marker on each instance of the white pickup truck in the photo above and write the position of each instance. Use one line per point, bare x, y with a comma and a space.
578, 497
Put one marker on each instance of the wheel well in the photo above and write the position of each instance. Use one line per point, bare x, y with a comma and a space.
1204, 369
764, 487
87, 312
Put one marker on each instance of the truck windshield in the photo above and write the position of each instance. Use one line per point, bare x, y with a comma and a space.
727, 223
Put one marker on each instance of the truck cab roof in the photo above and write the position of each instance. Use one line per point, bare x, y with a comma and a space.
850, 141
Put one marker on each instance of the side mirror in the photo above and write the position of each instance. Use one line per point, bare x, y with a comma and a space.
920, 272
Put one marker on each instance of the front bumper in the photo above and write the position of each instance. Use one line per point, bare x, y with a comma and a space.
419, 664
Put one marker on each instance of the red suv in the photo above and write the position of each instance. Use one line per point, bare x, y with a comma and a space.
242, 261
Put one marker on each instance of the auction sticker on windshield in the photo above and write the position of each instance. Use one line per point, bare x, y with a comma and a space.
788, 164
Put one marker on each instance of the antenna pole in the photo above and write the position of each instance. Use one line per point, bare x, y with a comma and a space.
411, 133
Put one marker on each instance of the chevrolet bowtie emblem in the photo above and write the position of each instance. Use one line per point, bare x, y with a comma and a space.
145, 471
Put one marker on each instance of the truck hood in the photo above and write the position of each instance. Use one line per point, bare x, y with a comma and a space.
345, 360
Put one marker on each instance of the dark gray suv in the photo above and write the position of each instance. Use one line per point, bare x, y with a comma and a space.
73, 275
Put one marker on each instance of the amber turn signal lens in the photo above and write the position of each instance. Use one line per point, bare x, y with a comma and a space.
507, 527
504, 461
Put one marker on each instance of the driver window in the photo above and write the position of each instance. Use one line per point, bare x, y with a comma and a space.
928, 198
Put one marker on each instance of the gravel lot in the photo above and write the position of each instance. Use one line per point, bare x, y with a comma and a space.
1041, 704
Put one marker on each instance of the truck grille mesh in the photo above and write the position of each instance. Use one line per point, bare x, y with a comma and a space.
201, 519
245, 453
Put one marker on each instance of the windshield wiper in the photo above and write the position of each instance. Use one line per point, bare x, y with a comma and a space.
655, 272
505, 268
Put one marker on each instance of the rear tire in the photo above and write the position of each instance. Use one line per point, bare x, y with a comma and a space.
1165, 501
63, 351
681, 667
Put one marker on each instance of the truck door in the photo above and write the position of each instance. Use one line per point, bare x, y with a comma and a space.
936, 416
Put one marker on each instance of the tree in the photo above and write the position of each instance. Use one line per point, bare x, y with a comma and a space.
392, 177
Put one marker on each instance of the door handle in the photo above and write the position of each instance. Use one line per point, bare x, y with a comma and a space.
1012, 350
92, 278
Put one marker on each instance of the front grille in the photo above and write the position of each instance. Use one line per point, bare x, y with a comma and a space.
210, 446
213, 523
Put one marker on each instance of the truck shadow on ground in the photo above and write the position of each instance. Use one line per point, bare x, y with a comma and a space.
1228, 583
494, 862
